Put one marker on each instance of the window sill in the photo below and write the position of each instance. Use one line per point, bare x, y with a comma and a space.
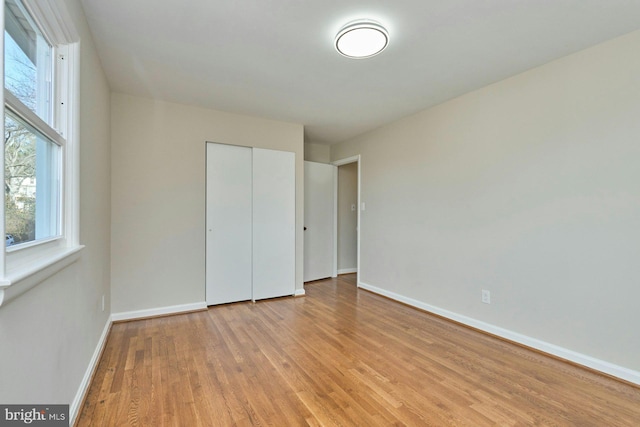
20, 278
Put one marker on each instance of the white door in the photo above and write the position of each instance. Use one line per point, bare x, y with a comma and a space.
319, 187
274, 223
228, 224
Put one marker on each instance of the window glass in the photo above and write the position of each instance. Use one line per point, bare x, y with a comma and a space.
27, 61
32, 183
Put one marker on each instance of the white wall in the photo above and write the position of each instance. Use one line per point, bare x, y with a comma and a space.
158, 195
347, 219
529, 188
48, 334
318, 153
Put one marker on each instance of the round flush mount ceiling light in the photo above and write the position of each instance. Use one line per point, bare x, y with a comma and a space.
361, 39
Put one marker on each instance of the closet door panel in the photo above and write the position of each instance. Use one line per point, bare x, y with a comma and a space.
273, 223
228, 224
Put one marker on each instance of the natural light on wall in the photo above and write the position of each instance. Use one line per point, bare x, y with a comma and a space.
361, 39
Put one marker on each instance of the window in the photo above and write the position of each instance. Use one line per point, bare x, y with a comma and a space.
32, 182
40, 148
27, 61
33, 158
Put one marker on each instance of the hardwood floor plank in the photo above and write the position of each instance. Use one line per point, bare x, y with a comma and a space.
338, 357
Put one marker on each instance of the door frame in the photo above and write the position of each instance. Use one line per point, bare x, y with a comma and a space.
353, 159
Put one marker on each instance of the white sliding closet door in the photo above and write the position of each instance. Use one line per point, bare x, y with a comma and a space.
228, 224
273, 223
250, 224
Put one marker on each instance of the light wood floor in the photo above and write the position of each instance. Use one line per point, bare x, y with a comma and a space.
339, 356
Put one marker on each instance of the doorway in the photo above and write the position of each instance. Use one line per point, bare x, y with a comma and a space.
347, 216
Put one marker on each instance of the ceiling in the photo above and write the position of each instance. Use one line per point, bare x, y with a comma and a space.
275, 58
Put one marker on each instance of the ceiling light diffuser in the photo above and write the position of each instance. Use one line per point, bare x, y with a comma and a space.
361, 39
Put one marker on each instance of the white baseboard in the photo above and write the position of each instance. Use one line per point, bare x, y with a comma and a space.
563, 353
347, 270
174, 309
74, 408
299, 292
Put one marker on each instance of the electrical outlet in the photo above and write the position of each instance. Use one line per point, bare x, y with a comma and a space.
486, 296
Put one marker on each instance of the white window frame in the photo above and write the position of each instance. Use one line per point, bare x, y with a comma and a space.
30, 263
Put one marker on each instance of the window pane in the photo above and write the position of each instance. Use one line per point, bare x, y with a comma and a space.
32, 183
27, 61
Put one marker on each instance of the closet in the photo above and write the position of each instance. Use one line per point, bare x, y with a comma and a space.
250, 223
